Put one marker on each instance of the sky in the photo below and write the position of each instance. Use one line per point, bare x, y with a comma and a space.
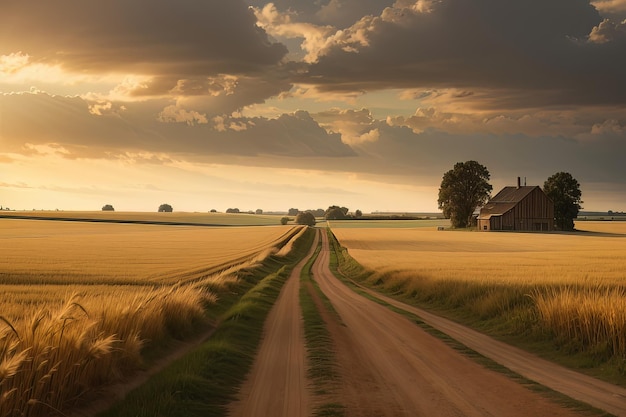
304, 104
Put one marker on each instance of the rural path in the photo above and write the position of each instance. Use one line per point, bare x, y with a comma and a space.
277, 385
391, 367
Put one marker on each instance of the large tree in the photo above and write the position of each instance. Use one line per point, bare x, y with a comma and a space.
336, 213
463, 189
306, 218
564, 191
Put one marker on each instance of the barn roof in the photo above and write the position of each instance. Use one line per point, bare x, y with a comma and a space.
512, 194
504, 201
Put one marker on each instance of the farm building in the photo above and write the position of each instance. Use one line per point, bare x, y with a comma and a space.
524, 208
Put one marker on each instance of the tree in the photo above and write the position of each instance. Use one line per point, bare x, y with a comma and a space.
107, 207
318, 212
259, 211
336, 213
232, 210
358, 213
284, 220
463, 189
306, 218
165, 208
564, 191
293, 212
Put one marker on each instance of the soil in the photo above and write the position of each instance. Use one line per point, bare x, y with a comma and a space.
277, 385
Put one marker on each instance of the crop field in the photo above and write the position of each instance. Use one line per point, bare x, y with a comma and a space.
571, 286
80, 301
216, 219
386, 224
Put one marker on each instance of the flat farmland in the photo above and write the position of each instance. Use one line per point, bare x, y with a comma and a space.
214, 219
568, 289
596, 254
82, 300
53, 252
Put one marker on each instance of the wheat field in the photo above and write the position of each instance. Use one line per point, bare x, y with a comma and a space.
571, 286
81, 301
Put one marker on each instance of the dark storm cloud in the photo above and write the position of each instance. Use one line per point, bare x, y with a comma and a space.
160, 37
534, 45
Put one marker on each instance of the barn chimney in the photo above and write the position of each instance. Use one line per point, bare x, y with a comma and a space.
519, 182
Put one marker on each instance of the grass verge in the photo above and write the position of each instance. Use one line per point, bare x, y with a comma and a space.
319, 344
205, 381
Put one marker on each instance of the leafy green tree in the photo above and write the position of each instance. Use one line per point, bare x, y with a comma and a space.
165, 208
107, 207
358, 214
306, 218
463, 189
284, 220
564, 191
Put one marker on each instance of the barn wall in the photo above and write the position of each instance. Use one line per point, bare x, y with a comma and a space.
534, 213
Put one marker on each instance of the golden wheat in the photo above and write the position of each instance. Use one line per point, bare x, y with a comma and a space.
80, 301
569, 285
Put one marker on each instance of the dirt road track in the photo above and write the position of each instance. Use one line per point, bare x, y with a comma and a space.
277, 385
391, 367
602, 395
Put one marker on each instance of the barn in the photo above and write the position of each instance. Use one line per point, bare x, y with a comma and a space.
523, 208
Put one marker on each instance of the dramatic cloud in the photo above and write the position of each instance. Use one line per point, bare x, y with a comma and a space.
364, 97
65, 124
479, 45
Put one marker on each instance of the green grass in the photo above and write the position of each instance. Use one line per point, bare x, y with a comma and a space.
205, 381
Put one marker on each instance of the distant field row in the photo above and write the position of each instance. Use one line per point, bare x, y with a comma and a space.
47, 252
223, 219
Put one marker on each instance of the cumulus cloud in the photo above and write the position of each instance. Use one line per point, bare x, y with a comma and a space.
37, 124
608, 31
511, 47
175, 114
158, 47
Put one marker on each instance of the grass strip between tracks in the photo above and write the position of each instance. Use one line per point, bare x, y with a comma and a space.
349, 271
321, 357
206, 380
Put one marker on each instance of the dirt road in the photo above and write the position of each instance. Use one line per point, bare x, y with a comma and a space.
390, 367
277, 385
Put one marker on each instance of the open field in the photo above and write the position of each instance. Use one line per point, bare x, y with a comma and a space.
81, 301
50, 252
401, 224
213, 219
567, 287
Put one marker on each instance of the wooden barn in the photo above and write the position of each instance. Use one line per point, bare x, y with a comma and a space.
524, 208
